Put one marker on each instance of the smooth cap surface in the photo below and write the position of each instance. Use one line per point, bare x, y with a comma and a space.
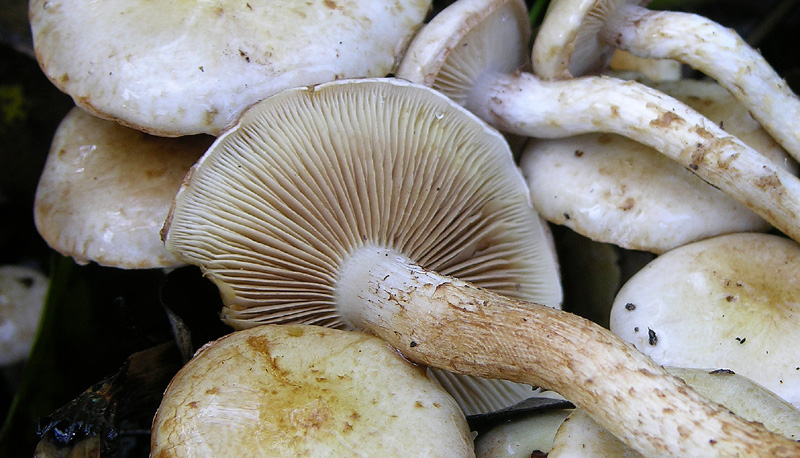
178, 68
106, 189
726, 302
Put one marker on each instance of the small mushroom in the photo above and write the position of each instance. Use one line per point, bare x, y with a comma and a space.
473, 51
106, 189
22, 295
614, 190
528, 436
192, 67
580, 436
577, 36
295, 390
729, 301
375, 203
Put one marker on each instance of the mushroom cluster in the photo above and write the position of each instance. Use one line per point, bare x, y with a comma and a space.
344, 164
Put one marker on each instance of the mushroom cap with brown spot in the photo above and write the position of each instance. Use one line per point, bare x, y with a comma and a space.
726, 302
106, 189
178, 68
296, 390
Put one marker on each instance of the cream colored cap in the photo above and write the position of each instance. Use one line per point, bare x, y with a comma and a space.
178, 68
106, 189
726, 302
294, 390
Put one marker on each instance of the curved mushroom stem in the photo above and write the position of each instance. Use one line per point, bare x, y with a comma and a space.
720, 53
526, 105
447, 323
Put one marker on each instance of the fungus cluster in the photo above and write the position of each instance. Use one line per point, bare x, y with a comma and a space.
316, 192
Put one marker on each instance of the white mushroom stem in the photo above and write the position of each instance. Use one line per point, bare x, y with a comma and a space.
524, 104
717, 51
451, 324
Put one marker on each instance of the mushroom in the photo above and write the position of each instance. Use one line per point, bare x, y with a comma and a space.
576, 37
730, 301
340, 202
188, 68
297, 390
527, 436
580, 436
106, 189
472, 49
614, 190
22, 295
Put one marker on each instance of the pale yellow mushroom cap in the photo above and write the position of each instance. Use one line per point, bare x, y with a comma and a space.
726, 302
296, 391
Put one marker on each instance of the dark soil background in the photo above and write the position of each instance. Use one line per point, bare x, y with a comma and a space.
97, 317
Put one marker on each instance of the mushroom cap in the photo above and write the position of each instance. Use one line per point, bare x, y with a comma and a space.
296, 390
177, 68
726, 302
22, 296
277, 204
311, 175
106, 189
580, 436
521, 437
462, 48
568, 41
615, 190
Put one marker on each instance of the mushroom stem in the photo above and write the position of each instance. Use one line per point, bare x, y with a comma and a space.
720, 53
524, 104
447, 323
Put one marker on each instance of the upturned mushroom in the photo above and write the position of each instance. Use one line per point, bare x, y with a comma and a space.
376, 203
729, 301
614, 190
106, 189
576, 37
296, 390
581, 437
192, 67
473, 51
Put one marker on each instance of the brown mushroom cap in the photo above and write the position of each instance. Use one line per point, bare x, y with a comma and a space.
178, 68
297, 390
106, 189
